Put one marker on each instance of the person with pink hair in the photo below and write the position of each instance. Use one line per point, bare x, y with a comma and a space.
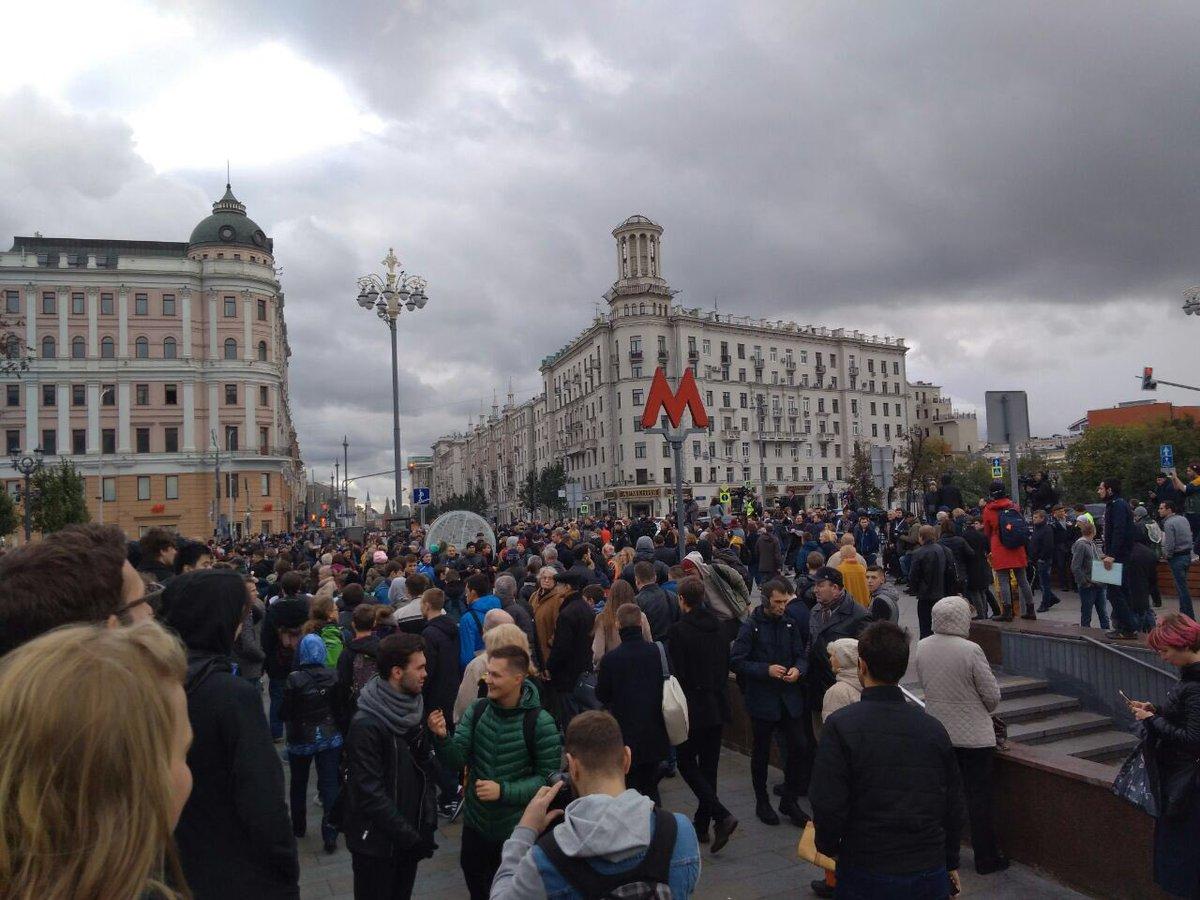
1173, 742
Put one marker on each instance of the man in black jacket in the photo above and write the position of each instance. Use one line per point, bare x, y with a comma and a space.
770, 658
280, 636
881, 762
390, 816
927, 577
442, 679
1041, 547
949, 496
1118, 547
700, 659
661, 609
235, 838
630, 685
571, 650
644, 552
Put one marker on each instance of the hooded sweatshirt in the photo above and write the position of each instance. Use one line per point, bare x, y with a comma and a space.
235, 835
612, 833
960, 687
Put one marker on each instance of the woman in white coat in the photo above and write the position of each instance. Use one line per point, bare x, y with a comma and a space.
961, 692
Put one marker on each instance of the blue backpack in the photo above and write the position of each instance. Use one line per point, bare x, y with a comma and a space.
1013, 529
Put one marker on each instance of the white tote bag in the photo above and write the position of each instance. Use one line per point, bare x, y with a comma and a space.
674, 703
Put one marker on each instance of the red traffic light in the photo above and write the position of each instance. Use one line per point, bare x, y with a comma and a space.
1148, 382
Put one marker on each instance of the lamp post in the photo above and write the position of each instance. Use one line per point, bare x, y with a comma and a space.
1191, 301
388, 295
26, 465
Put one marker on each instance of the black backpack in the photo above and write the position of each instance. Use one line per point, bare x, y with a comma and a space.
648, 880
1012, 528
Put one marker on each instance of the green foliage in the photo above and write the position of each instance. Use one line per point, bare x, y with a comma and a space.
1129, 453
529, 492
552, 480
860, 480
919, 460
473, 500
8, 514
59, 497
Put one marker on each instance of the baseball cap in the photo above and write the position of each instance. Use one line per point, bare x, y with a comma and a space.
827, 573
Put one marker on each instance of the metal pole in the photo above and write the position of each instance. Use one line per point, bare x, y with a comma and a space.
216, 485
28, 521
762, 449
399, 487
1012, 451
680, 520
346, 471
335, 490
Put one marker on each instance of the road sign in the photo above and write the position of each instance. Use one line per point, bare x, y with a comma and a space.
1007, 417
724, 496
583, 509
1166, 456
420, 496
883, 464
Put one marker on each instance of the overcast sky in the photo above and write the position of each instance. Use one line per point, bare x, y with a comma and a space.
1011, 187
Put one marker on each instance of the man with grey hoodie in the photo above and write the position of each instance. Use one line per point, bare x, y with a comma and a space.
609, 836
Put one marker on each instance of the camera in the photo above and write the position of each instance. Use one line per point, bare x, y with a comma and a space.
566, 793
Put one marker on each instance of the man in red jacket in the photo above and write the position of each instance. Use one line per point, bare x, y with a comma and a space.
1006, 560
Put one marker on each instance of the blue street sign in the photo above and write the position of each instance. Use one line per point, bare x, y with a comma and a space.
1166, 456
421, 496
996, 462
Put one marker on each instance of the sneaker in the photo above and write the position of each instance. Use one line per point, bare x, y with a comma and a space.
722, 831
795, 814
821, 889
766, 812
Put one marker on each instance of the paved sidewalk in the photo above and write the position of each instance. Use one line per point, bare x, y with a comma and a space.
759, 862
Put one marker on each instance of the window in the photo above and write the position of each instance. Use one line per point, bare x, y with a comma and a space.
263, 396
231, 393
108, 440
264, 485
639, 451
78, 441
264, 440
108, 395
171, 394
141, 304
168, 306
49, 304
106, 304
109, 492
78, 395
230, 348
171, 439
12, 441
262, 351
142, 438
77, 305
231, 437
12, 302
170, 350
143, 484
262, 310
172, 492
741, 351
48, 348
141, 347
50, 442
49, 395
78, 348
108, 349
638, 398
231, 307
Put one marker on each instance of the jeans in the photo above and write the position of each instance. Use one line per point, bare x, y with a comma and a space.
1046, 577
377, 878
793, 736
698, 758
978, 602
327, 787
859, 884
905, 564
275, 688
1089, 596
479, 859
1006, 598
975, 765
1180, 563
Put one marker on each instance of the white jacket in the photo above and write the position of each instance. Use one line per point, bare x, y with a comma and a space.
960, 687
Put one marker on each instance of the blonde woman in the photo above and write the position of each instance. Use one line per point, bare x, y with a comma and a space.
607, 635
502, 634
623, 558
94, 737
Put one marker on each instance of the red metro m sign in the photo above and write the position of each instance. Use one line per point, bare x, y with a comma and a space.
673, 403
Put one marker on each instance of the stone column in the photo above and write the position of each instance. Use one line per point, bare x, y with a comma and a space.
64, 300
189, 418
185, 321
123, 323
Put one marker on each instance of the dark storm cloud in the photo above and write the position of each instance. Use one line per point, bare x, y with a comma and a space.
1009, 186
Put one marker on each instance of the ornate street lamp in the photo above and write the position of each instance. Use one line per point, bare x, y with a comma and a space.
388, 296
26, 465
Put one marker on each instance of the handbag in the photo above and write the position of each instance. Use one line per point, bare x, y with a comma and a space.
1133, 783
1001, 728
584, 693
674, 703
807, 849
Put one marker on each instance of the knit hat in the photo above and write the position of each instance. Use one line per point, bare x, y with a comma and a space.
645, 543
997, 490
693, 561
1139, 513
379, 558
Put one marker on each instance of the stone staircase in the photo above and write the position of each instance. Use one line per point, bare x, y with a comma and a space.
1036, 715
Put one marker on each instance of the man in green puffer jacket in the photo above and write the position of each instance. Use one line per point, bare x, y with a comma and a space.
507, 760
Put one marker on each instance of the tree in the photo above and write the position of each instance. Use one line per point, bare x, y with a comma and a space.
529, 492
921, 458
552, 479
59, 497
473, 500
861, 480
1129, 453
8, 514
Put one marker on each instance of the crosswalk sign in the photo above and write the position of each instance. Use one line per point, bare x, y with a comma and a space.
724, 496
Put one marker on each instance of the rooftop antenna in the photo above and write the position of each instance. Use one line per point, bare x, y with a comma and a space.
227, 179
510, 391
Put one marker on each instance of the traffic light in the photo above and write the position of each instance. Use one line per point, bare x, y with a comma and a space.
1148, 382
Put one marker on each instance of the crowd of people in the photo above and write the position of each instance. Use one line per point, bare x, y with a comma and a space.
540, 689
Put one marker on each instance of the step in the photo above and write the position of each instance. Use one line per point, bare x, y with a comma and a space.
1031, 706
1049, 728
1018, 685
1094, 744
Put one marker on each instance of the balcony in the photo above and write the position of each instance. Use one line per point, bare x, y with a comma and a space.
726, 359
693, 354
757, 360
819, 368
635, 355
852, 371
663, 356
789, 364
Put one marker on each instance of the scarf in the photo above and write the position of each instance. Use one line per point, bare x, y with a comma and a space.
400, 712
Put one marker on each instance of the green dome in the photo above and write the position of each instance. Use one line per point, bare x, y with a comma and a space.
229, 224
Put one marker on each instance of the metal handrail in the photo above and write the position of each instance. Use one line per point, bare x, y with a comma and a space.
911, 696
1129, 656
